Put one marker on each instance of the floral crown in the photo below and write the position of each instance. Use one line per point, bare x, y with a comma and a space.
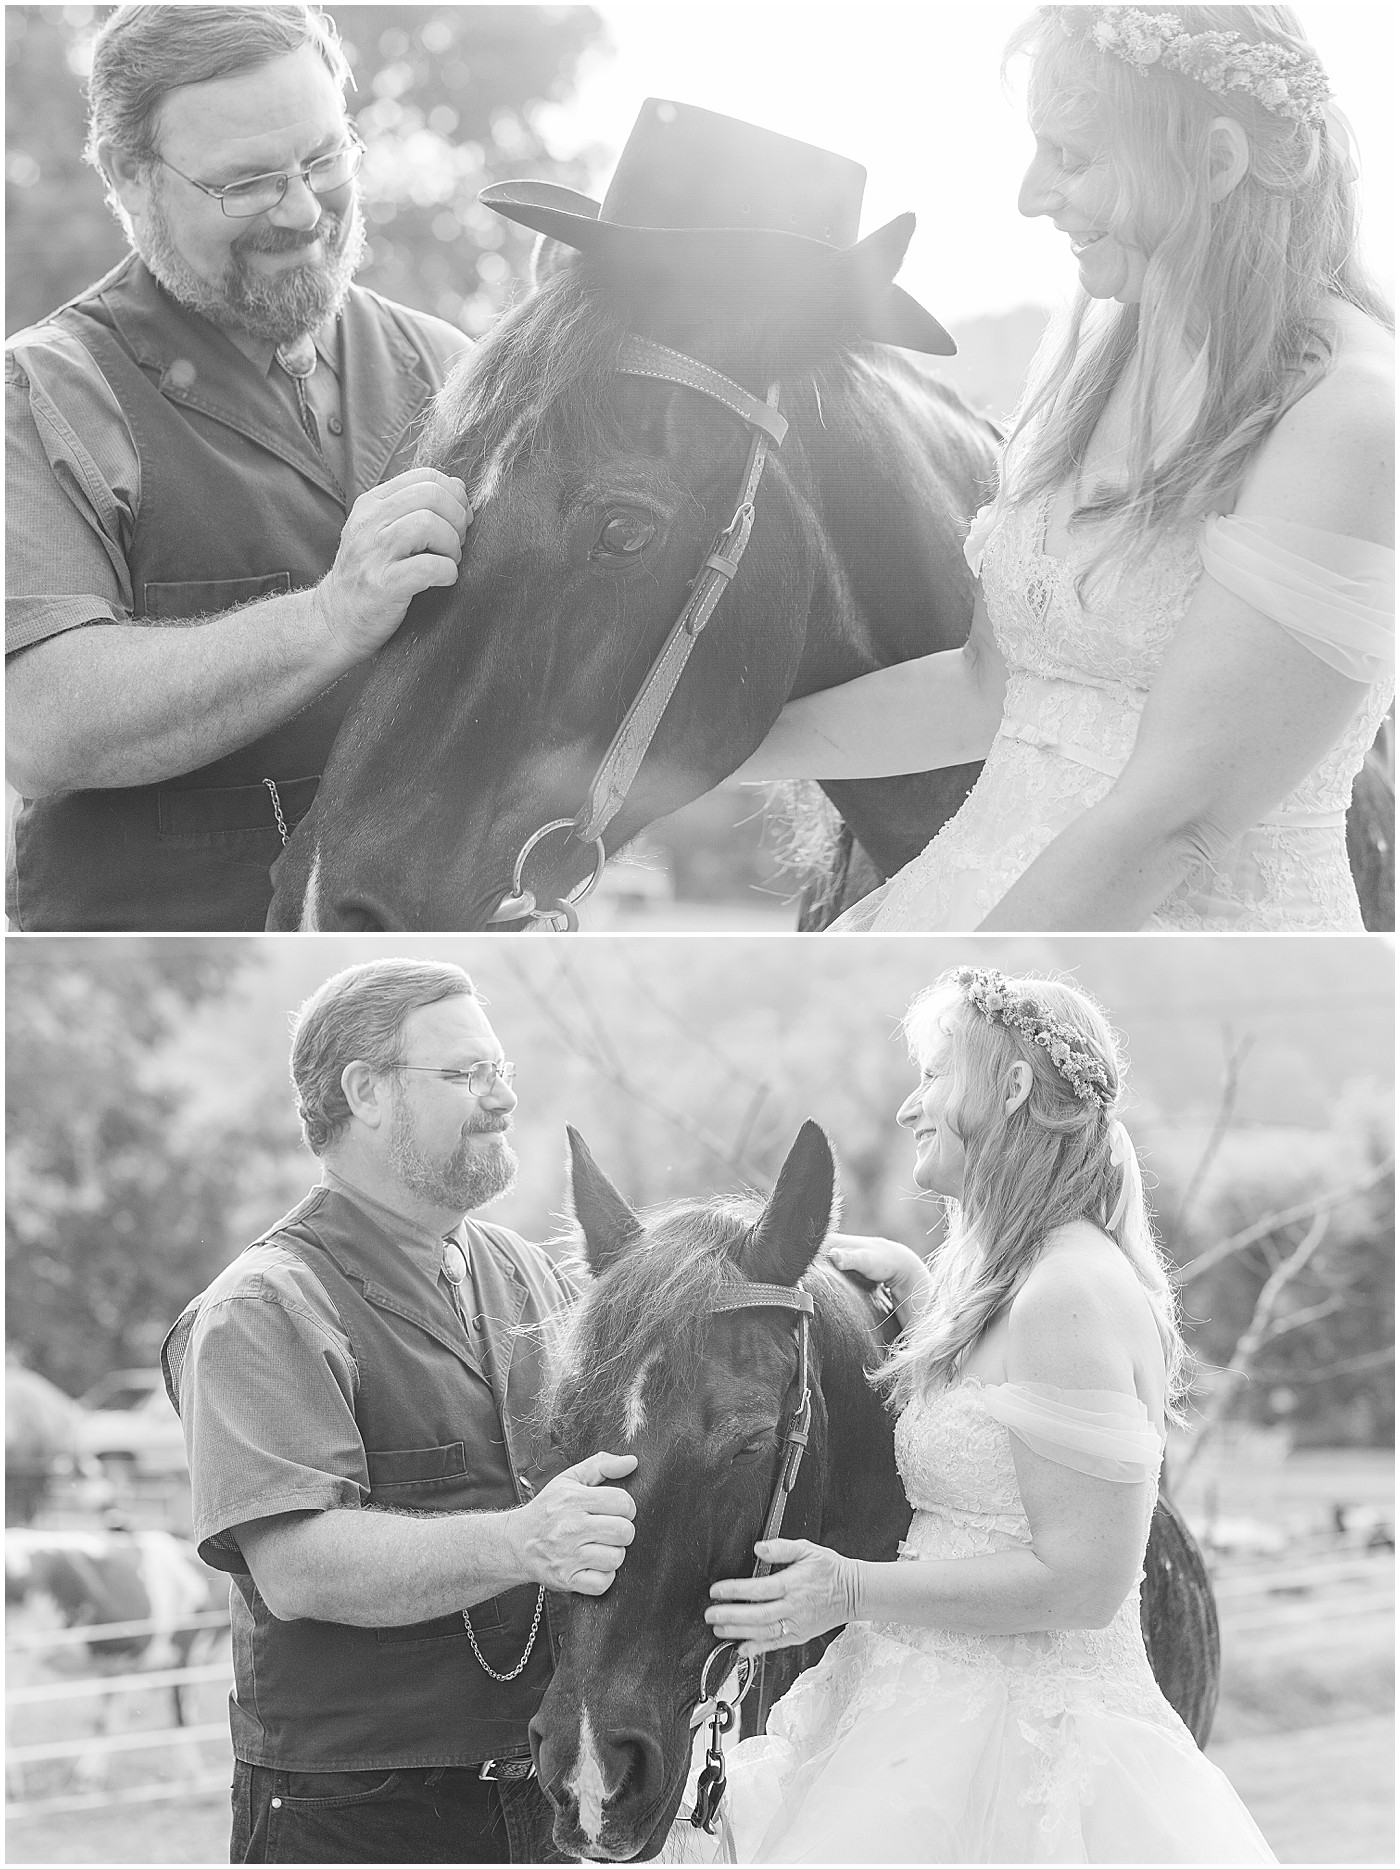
1288, 83
988, 991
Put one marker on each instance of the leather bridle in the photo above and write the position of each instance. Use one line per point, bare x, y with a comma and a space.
709, 1789
612, 781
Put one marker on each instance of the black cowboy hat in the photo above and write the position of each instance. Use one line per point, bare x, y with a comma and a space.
697, 195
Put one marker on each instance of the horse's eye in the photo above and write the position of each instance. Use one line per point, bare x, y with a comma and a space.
750, 1451
624, 536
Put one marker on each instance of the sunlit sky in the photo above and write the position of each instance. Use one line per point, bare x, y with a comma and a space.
915, 93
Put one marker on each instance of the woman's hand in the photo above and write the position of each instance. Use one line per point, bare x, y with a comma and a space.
813, 1592
884, 1262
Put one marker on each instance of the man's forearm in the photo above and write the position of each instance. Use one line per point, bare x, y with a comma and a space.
382, 1570
130, 704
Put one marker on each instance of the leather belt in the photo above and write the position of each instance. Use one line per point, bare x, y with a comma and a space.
506, 1771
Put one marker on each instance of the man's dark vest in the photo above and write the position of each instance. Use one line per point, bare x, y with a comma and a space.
320, 1696
236, 504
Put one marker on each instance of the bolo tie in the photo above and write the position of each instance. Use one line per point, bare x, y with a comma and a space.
454, 1270
298, 359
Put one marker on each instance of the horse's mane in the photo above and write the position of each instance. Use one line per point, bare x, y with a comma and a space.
656, 1301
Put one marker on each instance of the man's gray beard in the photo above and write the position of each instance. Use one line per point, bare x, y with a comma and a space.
468, 1179
278, 307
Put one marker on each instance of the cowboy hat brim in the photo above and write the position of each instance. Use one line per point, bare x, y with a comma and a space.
888, 314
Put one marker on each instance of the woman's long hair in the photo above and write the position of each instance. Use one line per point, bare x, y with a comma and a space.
1233, 324
1049, 1162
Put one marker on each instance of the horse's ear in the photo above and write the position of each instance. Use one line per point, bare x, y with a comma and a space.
610, 1228
873, 262
799, 1213
549, 257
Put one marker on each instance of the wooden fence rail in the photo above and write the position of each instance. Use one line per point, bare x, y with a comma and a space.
148, 1741
112, 1631
79, 1801
91, 1684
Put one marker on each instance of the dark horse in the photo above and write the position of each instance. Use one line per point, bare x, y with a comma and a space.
654, 1365
598, 497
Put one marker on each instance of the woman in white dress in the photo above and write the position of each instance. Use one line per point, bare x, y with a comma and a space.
990, 1699
1182, 646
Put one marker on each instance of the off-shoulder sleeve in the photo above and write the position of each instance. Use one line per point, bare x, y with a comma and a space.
1333, 594
1095, 1431
976, 541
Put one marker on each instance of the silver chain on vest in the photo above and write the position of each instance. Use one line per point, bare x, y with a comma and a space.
454, 1270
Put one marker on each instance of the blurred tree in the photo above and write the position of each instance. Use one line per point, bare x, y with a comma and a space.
114, 1214
1321, 1347
59, 232
448, 98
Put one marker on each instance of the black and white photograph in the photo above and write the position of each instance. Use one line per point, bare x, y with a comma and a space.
920, 468
673, 479
661, 1148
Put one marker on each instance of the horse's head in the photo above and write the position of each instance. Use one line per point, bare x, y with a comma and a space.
599, 495
657, 1365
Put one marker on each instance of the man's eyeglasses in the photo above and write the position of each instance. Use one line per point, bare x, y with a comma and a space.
241, 200
477, 1078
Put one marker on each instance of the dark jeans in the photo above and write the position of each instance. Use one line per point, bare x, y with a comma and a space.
444, 1815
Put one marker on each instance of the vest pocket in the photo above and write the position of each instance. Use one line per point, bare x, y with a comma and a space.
403, 1476
416, 1466
173, 602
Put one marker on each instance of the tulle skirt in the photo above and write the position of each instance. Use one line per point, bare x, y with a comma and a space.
887, 1753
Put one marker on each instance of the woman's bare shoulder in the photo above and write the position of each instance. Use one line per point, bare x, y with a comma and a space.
1080, 1317
1078, 1269
1329, 460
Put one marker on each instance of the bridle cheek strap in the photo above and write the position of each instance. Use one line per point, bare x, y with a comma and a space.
620, 764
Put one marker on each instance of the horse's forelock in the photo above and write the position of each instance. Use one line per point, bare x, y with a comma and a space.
544, 371
656, 1298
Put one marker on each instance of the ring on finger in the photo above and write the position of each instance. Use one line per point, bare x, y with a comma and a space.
783, 1629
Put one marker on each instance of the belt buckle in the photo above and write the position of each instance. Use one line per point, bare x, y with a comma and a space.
506, 1771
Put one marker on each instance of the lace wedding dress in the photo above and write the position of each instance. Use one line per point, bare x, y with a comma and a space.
1080, 668
910, 1744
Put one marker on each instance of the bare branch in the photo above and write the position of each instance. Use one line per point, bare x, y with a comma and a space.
1252, 1340
747, 1121
1235, 1055
1286, 1216
616, 1075
1296, 1319
602, 1037
1348, 1366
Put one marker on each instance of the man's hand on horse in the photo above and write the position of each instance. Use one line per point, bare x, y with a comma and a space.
400, 538
813, 1591
577, 1529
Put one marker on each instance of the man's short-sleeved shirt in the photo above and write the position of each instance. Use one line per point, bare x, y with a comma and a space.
259, 1446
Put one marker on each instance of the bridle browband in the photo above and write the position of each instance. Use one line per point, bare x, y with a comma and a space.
709, 1788
643, 357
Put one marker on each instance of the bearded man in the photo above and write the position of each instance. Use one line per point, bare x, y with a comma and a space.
358, 1392
208, 455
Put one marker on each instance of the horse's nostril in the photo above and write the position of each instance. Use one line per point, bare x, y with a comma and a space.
640, 1760
356, 915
